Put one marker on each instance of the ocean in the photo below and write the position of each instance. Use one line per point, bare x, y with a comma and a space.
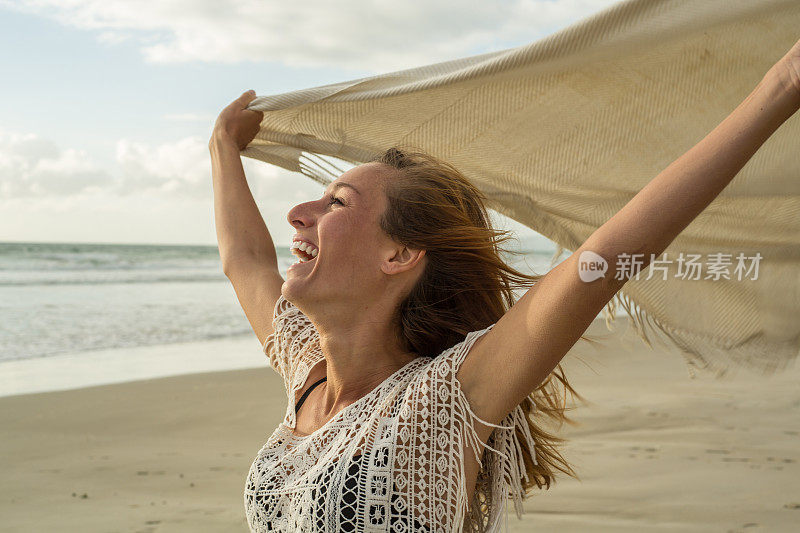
76, 300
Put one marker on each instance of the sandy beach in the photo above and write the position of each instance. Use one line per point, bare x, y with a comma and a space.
655, 450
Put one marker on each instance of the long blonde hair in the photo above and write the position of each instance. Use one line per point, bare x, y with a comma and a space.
466, 284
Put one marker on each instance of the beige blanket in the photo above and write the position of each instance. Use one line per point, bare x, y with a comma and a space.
561, 133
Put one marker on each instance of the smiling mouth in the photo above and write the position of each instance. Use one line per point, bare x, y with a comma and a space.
303, 257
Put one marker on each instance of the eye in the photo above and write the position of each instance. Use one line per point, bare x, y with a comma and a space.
334, 199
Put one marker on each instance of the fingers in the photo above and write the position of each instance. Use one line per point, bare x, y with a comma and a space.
247, 97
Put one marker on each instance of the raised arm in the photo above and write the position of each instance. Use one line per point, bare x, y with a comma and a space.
246, 249
241, 231
527, 343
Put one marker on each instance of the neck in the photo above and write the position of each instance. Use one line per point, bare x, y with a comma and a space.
344, 387
362, 348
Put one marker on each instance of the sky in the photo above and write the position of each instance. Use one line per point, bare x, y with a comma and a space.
108, 104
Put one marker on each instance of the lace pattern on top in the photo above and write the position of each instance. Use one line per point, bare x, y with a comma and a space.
411, 432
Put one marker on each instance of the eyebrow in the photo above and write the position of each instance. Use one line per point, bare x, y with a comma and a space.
340, 184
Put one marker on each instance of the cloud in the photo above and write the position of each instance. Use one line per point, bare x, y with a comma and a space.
180, 168
31, 166
148, 192
35, 167
380, 36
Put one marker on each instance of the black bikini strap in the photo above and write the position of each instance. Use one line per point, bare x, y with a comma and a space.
305, 394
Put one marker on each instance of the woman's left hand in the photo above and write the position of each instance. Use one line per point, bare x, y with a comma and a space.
237, 122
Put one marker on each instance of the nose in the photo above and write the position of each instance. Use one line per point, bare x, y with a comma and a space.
301, 215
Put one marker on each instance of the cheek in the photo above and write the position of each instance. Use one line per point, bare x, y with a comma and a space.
357, 254
351, 241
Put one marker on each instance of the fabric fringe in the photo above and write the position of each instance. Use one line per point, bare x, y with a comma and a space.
474, 439
462, 412
515, 473
319, 168
509, 448
467, 418
700, 353
509, 453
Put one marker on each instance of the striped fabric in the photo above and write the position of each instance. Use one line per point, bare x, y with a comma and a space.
560, 134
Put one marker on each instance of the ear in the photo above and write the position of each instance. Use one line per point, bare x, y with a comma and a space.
402, 260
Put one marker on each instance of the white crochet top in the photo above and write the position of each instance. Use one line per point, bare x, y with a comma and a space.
391, 461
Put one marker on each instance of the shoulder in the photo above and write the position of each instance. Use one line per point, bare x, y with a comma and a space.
438, 379
286, 312
454, 357
291, 327
293, 347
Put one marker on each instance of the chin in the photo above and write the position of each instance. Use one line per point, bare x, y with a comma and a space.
291, 287
297, 288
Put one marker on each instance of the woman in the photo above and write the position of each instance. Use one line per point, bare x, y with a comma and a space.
393, 332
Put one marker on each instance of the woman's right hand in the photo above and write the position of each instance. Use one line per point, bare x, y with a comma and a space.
238, 123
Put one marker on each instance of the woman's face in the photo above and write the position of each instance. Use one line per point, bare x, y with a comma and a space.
354, 255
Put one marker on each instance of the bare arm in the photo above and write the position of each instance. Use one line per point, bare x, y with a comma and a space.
241, 232
526, 344
245, 245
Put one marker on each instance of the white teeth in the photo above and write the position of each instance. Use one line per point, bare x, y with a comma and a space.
308, 248
303, 246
